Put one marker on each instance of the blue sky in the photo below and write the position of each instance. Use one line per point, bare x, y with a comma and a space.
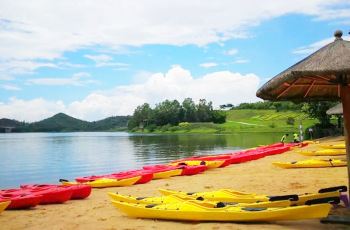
95, 59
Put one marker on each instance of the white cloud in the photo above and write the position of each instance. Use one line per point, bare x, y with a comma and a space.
30, 110
44, 29
23, 66
178, 83
78, 79
241, 61
10, 87
208, 64
306, 50
103, 60
231, 52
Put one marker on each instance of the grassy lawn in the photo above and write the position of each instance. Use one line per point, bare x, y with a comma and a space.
247, 121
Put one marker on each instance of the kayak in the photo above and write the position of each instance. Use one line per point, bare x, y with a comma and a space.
178, 199
242, 156
324, 152
336, 146
106, 182
312, 163
192, 170
228, 195
20, 200
145, 176
163, 171
79, 191
3, 205
192, 211
209, 164
167, 174
48, 195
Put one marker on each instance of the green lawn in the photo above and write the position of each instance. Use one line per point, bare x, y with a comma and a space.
247, 121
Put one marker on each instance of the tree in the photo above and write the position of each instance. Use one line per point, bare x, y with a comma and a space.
204, 111
188, 110
218, 117
167, 112
141, 117
318, 110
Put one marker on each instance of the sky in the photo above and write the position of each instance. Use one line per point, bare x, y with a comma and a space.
92, 59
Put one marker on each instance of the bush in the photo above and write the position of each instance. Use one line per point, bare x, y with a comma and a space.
272, 125
184, 125
290, 121
151, 127
165, 127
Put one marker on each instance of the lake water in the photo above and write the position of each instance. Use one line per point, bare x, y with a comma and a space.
47, 157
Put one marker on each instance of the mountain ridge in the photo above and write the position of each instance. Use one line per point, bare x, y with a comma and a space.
62, 122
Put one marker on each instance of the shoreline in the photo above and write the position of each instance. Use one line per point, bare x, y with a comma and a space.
258, 176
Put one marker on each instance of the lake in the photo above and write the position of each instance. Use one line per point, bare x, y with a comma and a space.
47, 157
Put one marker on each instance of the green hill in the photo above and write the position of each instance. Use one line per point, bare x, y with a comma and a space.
58, 123
63, 123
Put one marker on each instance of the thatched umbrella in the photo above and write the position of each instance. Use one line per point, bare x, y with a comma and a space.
324, 75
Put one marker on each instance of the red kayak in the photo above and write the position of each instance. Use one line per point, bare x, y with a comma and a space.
19, 199
192, 170
79, 191
48, 195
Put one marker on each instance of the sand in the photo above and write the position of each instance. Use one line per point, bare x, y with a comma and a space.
258, 176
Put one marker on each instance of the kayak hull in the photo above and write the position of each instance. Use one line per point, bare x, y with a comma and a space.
188, 211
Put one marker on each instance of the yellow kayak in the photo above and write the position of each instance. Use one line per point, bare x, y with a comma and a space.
106, 182
324, 152
167, 174
179, 199
336, 146
226, 195
192, 211
312, 163
209, 164
3, 205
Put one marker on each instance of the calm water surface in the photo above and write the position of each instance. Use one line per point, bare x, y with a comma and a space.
47, 157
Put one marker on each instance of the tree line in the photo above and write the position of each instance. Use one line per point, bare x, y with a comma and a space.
172, 113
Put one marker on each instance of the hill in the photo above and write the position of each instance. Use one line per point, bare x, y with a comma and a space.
63, 123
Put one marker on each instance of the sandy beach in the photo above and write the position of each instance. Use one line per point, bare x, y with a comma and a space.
258, 176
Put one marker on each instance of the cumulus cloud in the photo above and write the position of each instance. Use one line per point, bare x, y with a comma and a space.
208, 64
45, 29
178, 83
30, 110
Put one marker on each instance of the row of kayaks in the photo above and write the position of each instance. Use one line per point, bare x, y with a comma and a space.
324, 150
228, 205
182, 167
28, 196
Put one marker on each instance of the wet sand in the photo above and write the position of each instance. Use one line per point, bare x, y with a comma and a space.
258, 176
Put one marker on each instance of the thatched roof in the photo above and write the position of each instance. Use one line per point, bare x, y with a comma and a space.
335, 110
317, 77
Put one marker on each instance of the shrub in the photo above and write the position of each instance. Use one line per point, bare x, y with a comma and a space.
290, 121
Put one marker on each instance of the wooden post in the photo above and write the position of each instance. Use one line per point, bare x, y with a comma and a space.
345, 97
